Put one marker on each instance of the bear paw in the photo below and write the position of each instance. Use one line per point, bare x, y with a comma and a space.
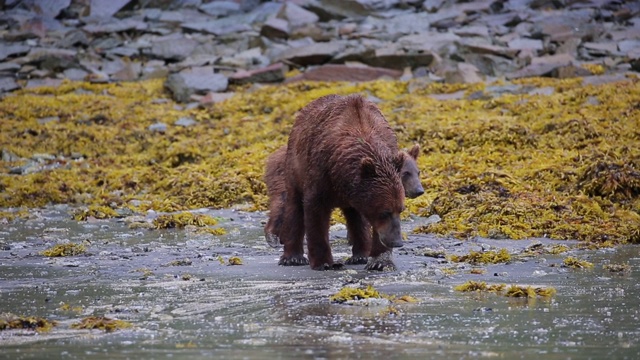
325, 266
356, 260
381, 262
295, 260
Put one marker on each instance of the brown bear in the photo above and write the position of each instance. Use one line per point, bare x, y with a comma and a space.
341, 153
274, 179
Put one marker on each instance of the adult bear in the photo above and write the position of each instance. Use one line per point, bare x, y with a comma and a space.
341, 153
274, 179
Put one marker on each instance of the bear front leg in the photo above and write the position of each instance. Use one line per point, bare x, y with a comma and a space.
359, 236
380, 257
317, 216
292, 233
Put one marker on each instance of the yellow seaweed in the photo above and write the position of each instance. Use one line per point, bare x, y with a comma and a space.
576, 263
68, 249
515, 166
183, 219
10, 321
486, 257
101, 323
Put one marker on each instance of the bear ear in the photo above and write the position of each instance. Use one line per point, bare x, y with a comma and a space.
398, 161
367, 167
415, 151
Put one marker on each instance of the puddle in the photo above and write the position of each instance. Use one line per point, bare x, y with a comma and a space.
208, 309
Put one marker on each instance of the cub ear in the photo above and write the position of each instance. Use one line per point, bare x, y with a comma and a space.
415, 151
398, 161
367, 167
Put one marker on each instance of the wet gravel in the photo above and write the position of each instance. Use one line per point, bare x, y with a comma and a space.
205, 308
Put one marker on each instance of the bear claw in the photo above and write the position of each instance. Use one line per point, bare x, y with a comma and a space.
325, 266
381, 262
356, 260
296, 260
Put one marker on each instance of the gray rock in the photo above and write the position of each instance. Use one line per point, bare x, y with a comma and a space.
275, 28
75, 74
558, 60
432, 5
627, 46
174, 49
52, 59
73, 38
130, 71
469, 31
437, 42
154, 69
600, 49
481, 47
296, 16
462, 73
49, 119
103, 44
546, 91
491, 65
521, 44
269, 74
105, 9
214, 98
315, 54
407, 23
113, 25
396, 57
334, 72
221, 8
8, 84
33, 83
124, 51
450, 96
7, 50
218, 27
158, 127
195, 81
8, 68
185, 122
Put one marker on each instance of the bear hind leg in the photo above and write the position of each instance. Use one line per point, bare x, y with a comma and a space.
292, 233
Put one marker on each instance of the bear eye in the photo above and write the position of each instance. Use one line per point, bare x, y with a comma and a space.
405, 174
385, 215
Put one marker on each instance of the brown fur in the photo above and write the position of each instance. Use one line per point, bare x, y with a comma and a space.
341, 153
274, 179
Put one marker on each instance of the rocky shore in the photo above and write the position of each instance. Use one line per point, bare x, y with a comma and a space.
203, 48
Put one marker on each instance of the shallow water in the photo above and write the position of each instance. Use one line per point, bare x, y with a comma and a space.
262, 310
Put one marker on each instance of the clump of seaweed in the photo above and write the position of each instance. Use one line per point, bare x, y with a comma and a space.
10, 321
234, 260
576, 263
620, 180
180, 262
101, 323
67, 307
95, 211
512, 291
351, 293
475, 286
617, 268
181, 220
347, 294
218, 231
529, 292
13, 215
486, 257
68, 249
